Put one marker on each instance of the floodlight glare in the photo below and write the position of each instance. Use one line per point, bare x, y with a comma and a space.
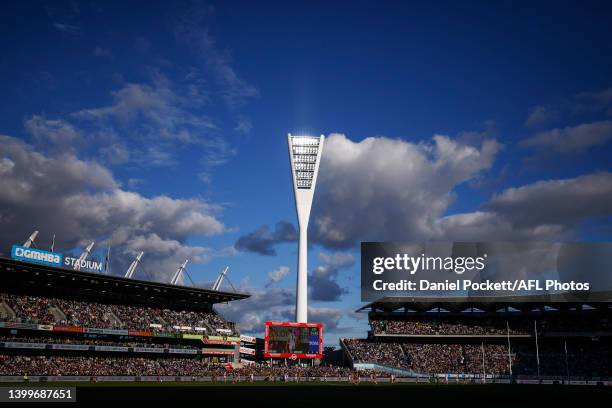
305, 156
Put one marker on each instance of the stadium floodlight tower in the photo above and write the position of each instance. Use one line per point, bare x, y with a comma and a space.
305, 156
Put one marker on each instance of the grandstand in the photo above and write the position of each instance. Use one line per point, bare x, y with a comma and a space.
494, 340
56, 321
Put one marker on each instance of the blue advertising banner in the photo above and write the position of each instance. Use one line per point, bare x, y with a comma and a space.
38, 256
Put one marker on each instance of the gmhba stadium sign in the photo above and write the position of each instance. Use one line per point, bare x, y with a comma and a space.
49, 258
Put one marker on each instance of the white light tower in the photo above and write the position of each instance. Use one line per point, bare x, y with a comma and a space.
305, 156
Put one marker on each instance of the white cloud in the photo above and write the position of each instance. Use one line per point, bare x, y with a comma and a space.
262, 240
556, 202
264, 304
161, 120
539, 115
66, 28
80, 200
244, 126
594, 102
192, 30
277, 274
390, 189
544, 210
52, 132
323, 283
131, 101
276, 304
572, 139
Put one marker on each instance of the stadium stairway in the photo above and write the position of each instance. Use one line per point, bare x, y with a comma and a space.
113, 319
6, 313
58, 314
346, 351
209, 328
401, 372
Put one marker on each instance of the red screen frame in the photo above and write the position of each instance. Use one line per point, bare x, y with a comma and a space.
267, 354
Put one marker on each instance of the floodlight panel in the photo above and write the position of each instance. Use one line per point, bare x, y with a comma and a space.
304, 152
304, 141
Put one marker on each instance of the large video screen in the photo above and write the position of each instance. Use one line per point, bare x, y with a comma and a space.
293, 340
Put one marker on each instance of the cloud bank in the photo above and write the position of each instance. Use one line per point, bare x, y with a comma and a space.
80, 201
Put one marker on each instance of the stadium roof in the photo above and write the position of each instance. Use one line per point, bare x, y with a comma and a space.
487, 304
33, 278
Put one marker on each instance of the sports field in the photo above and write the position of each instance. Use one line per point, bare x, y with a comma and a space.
310, 394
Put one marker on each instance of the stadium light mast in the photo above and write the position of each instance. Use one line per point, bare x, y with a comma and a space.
305, 156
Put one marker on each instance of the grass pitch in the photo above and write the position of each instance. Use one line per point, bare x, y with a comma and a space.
312, 394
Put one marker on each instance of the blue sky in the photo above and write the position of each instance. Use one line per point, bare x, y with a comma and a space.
164, 125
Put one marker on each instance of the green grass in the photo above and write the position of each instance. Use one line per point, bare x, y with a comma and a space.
341, 394
193, 384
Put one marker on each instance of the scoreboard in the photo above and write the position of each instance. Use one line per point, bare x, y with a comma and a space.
293, 340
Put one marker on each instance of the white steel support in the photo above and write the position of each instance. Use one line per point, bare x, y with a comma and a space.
135, 262
177, 274
305, 157
30, 240
83, 257
220, 278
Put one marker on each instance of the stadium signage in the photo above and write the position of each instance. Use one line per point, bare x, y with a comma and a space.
224, 331
220, 342
248, 351
87, 264
49, 258
22, 345
38, 256
248, 339
218, 352
69, 329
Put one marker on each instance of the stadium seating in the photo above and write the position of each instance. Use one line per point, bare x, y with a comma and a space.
585, 358
138, 366
40, 310
469, 325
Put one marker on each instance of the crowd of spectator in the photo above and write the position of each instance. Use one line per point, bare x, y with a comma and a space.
430, 325
389, 354
29, 308
37, 309
284, 372
433, 326
574, 357
136, 366
458, 358
428, 358
578, 357
98, 366
94, 342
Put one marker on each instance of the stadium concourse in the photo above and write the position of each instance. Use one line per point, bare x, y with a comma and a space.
459, 340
